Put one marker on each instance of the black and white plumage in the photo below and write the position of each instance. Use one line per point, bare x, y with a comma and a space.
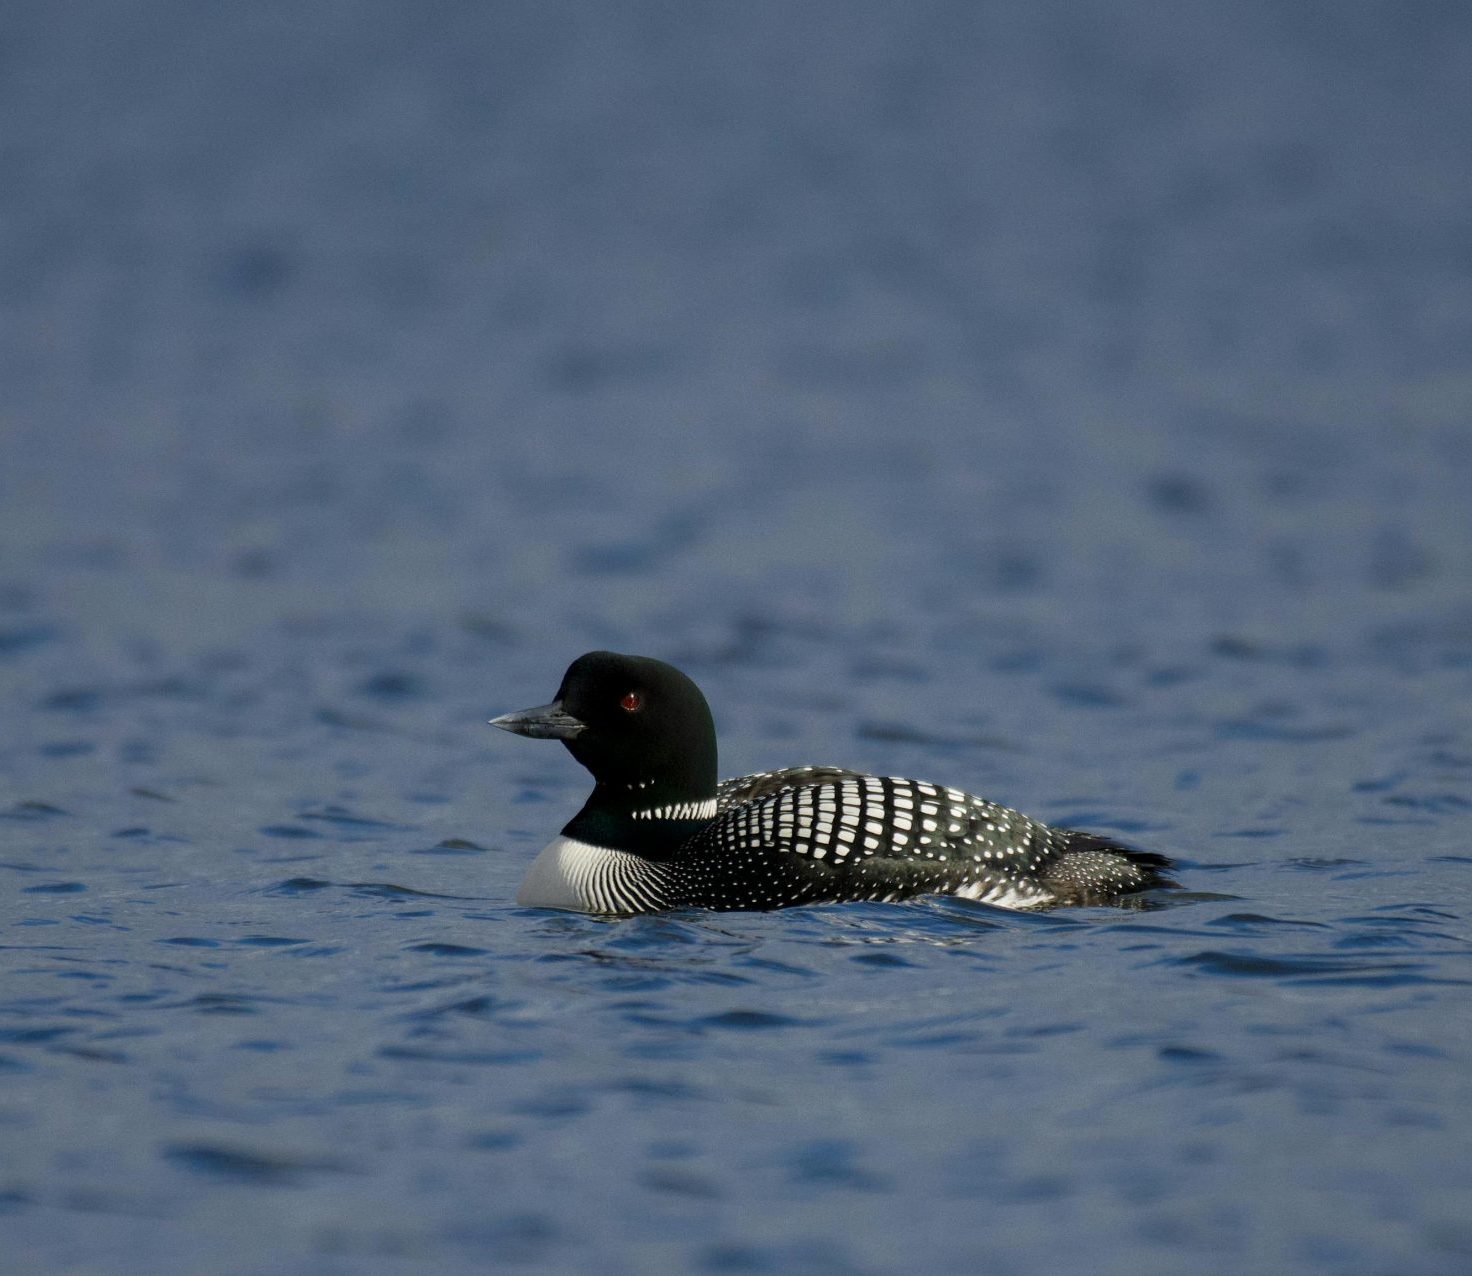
659, 832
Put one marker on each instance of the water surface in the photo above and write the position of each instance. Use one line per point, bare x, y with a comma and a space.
1071, 408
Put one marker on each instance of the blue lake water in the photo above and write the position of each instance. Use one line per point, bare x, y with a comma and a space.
1071, 405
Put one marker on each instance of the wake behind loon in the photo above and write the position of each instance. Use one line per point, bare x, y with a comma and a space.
659, 832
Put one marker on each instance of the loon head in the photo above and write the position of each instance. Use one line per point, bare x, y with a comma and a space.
639, 725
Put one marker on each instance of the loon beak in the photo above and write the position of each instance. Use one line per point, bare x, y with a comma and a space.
545, 722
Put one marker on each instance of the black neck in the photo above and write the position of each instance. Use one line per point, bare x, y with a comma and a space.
608, 819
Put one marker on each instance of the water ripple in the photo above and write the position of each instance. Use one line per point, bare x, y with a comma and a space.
249, 1165
1316, 969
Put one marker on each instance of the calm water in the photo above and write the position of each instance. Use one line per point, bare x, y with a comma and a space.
1069, 406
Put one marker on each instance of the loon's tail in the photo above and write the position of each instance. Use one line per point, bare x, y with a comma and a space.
1091, 869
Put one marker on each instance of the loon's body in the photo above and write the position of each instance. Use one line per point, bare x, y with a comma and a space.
659, 832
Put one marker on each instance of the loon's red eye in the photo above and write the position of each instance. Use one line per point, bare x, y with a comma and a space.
632, 700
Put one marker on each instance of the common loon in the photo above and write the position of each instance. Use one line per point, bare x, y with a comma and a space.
659, 832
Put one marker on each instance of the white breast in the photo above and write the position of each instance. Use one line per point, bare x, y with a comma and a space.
590, 879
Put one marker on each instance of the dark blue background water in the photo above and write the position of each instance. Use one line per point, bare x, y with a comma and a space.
1066, 402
